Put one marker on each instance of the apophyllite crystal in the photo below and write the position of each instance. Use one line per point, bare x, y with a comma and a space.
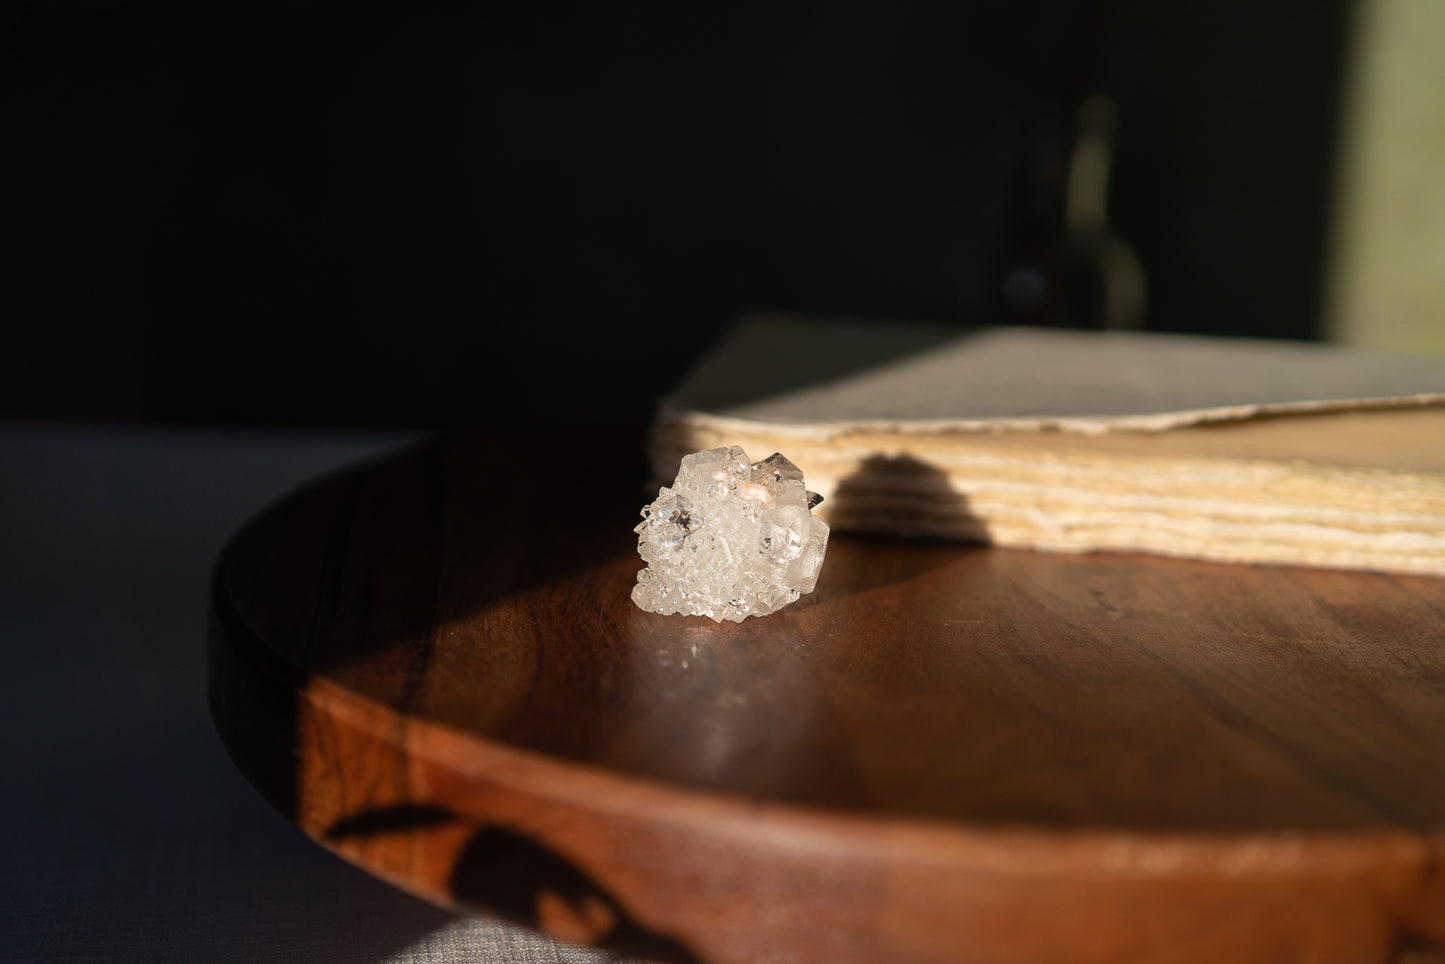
730, 539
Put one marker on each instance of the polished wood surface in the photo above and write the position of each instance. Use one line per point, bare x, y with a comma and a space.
945, 753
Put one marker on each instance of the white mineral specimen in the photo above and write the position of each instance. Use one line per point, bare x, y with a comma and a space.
729, 539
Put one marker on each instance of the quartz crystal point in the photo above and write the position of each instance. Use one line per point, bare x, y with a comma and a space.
730, 539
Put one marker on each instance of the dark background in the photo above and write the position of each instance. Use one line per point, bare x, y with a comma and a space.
256, 214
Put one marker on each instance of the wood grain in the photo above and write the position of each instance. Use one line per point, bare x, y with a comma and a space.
946, 753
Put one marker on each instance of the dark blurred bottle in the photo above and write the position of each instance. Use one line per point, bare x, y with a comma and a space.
1047, 280
1062, 267
1065, 268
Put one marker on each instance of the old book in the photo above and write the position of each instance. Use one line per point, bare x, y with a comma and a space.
1226, 449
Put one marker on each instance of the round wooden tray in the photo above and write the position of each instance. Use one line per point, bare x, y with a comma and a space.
946, 753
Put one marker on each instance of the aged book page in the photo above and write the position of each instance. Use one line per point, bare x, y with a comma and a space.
803, 372
1224, 449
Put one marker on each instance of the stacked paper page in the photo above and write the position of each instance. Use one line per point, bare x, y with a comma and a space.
1235, 450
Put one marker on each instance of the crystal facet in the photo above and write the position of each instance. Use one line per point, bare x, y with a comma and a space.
730, 539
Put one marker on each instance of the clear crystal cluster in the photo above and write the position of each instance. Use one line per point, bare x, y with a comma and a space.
730, 539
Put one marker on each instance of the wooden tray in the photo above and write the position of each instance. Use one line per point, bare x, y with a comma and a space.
431, 664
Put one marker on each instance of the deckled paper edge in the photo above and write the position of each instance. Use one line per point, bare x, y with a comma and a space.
1152, 423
